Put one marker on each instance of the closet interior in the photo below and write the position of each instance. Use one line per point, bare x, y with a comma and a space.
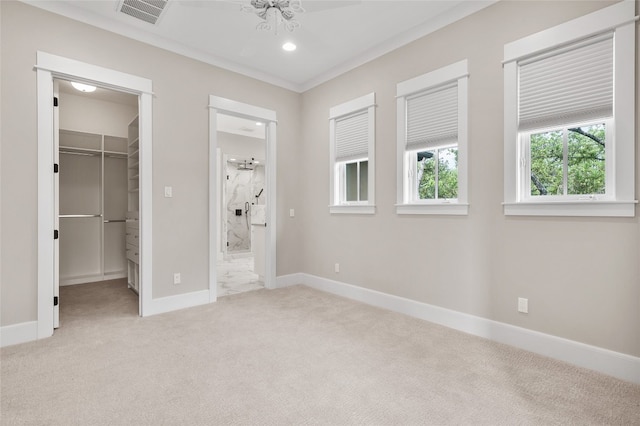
98, 190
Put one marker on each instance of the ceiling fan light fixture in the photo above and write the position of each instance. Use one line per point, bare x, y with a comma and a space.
86, 88
289, 46
275, 13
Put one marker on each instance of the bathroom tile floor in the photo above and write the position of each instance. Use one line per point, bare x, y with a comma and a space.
235, 275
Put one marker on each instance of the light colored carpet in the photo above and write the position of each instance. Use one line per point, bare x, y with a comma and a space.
288, 356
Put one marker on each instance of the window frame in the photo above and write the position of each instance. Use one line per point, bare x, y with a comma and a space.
458, 74
337, 174
618, 19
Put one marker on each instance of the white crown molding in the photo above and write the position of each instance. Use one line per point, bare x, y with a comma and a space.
68, 10
461, 11
113, 26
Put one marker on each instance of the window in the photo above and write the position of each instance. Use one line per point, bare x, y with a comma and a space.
569, 118
352, 130
432, 142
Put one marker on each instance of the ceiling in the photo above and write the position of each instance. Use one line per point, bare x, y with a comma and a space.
334, 36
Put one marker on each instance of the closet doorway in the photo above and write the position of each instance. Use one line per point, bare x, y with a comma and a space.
48, 68
97, 189
242, 204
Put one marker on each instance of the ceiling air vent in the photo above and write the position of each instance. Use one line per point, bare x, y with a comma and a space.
145, 10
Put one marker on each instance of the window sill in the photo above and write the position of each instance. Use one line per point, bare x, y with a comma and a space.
457, 209
572, 208
353, 209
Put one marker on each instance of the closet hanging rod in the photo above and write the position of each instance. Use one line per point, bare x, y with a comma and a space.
86, 154
78, 215
114, 220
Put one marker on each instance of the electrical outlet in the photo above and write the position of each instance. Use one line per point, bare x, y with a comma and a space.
177, 279
523, 305
337, 268
292, 213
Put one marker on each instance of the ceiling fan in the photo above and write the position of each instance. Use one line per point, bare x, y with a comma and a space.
275, 12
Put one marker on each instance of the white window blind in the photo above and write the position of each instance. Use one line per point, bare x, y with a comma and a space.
352, 137
432, 118
569, 85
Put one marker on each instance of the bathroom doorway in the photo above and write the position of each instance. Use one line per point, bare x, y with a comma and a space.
241, 264
249, 153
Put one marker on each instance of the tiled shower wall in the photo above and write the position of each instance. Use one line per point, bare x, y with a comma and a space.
242, 187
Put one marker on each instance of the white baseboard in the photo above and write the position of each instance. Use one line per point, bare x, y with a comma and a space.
18, 333
88, 279
179, 301
619, 365
289, 280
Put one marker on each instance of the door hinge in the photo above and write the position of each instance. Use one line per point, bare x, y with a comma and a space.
55, 300
55, 234
55, 168
55, 101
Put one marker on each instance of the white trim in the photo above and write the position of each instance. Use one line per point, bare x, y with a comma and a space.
214, 210
289, 280
366, 102
49, 67
228, 106
576, 208
353, 209
620, 19
46, 204
585, 26
91, 278
83, 72
179, 301
459, 12
622, 366
458, 72
18, 333
438, 77
352, 106
434, 208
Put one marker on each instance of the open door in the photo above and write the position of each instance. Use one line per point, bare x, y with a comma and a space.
56, 206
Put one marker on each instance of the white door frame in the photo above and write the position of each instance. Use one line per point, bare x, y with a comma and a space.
48, 68
255, 113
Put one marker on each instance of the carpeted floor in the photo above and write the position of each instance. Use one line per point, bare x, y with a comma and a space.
287, 357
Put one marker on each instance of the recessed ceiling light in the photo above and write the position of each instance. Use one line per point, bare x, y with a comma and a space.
83, 87
257, 162
289, 47
258, 123
232, 159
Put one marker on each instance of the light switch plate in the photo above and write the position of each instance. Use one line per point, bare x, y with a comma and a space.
168, 192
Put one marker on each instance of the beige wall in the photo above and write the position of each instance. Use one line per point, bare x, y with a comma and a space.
83, 114
244, 147
581, 276
180, 150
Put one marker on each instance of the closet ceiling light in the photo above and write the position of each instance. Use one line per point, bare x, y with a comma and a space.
258, 123
83, 87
